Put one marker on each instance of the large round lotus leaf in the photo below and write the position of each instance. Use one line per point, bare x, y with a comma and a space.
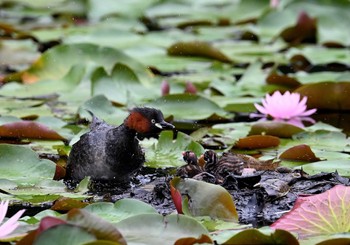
187, 106
56, 62
122, 209
63, 235
159, 229
327, 95
23, 166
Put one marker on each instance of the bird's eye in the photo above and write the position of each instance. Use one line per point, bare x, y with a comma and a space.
153, 121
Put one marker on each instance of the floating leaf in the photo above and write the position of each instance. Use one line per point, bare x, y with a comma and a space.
254, 236
101, 107
23, 166
197, 48
282, 80
324, 213
327, 95
299, 153
122, 86
257, 141
341, 166
28, 129
206, 199
45, 224
48, 87
279, 129
187, 106
94, 225
120, 210
66, 204
64, 234
192, 241
321, 139
303, 31
159, 229
57, 61
168, 152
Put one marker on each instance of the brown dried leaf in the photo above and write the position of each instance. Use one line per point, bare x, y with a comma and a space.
282, 80
191, 240
66, 204
327, 95
304, 30
28, 129
257, 142
299, 153
279, 129
197, 48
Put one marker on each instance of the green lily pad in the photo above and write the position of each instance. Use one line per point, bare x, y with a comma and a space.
168, 152
64, 234
187, 106
159, 229
121, 210
341, 166
57, 61
41, 192
23, 166
321, 139
101, 107
100, 228
48, 86
122, 86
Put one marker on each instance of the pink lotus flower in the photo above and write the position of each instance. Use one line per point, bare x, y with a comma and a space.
288, 107
11, 224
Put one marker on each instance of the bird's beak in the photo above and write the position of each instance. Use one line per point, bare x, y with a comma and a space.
164, 125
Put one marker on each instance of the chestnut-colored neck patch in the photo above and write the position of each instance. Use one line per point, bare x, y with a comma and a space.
138, 122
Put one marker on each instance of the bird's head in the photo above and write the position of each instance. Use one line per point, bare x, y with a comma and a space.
190, 157
147, 122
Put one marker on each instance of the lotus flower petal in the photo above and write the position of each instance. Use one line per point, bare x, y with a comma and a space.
287, 106
11, 224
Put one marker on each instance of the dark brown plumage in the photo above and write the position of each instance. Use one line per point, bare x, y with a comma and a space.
192, 168
223, 166
109, 153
